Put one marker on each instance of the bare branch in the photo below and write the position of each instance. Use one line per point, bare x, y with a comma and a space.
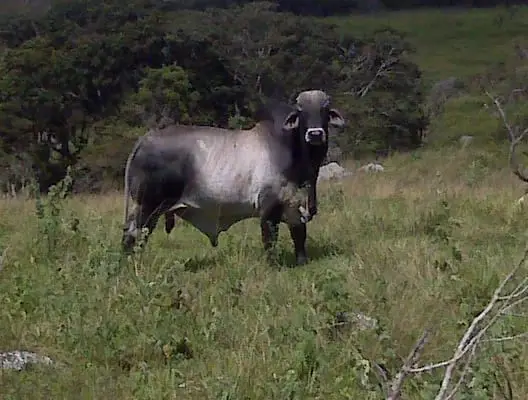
463, 374
2, 258
383, 374
385, 65
467, 344
412, 358
515, 136
518, 291
473, 337
470, 338
507, 338
504, 310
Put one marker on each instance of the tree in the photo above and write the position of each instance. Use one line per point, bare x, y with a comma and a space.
85, 67
75, 72
385, 96
38, 107
165, 93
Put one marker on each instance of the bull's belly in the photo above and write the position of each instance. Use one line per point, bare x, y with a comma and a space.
212, 216
224, 193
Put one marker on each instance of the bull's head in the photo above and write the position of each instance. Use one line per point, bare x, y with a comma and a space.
313, 116
308, 124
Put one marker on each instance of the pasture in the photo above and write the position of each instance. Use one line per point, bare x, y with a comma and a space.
423, 244
457, 42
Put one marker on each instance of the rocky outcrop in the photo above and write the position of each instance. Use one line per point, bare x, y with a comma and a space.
372, 167
20, 360
332, 171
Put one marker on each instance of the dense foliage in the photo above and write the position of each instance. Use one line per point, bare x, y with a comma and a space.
300, 7
80, 81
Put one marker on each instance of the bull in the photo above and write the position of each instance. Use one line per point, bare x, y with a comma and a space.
214, 178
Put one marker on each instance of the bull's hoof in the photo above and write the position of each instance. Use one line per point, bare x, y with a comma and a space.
301, 259
127, 244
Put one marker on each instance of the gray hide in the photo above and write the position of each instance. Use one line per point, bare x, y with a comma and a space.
212, 178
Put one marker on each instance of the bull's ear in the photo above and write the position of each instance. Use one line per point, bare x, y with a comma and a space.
336, 119
291, 122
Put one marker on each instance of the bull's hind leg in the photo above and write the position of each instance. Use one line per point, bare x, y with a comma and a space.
143, 216
270, 233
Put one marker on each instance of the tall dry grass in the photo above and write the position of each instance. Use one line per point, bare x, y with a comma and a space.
422, 244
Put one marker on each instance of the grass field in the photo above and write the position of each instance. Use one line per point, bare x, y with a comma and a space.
452, 42
465, 44
422, 244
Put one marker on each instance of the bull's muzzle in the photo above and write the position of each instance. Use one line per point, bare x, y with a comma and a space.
315, 136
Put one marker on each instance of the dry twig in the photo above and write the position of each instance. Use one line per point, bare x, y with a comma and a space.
498, 306
385, 65
2, 259
515, 134
412, 358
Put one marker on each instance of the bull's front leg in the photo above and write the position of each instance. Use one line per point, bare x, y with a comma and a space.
312, 197
269, 227
170, 222
269, 232
298, 235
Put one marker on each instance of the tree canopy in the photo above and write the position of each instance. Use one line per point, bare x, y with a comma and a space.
80, 80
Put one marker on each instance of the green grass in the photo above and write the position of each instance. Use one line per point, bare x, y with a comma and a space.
459, 43
187, 321
423, 244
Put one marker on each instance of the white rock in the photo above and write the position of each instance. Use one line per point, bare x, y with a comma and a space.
332, 171
372, 167
465, 140
19, 360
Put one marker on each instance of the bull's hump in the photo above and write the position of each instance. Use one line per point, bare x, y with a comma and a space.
179, 130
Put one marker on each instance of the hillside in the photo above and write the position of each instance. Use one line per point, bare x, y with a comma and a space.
452, 42
422, 245
471, 45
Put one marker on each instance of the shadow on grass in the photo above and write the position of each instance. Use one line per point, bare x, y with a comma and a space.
283, 256
316, 249
200, 263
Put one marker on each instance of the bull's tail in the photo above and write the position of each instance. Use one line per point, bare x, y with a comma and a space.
127, 188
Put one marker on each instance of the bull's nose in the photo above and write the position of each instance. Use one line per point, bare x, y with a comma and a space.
315, 135
315, 131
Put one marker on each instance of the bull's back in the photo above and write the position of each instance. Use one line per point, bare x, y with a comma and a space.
215, 167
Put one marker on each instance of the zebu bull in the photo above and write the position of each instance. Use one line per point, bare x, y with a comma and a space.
306, 124
213, 178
